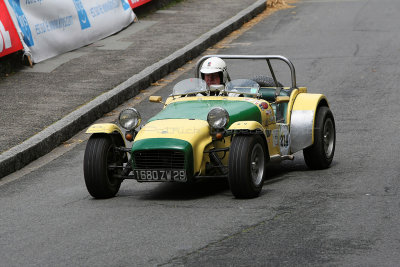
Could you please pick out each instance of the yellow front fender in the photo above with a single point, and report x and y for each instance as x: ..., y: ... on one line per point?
x: 105, y: 128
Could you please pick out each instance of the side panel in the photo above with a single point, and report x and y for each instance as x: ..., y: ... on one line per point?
x: 302, y: 120
x: 272, y: 133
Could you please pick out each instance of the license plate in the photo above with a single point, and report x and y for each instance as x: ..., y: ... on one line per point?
x: 160, y: 175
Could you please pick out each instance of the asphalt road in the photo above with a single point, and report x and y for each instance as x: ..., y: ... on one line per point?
x: 346, y: 215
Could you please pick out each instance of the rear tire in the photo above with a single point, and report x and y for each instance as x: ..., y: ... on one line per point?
x: 320, y: 154
x: 247, y: 162
x: 99, y: 155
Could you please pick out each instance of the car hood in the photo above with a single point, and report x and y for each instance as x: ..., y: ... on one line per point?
x: 198, y: 109
x: 191, y: 131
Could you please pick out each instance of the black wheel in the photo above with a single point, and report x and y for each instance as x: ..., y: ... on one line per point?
x: 247, y: 161
x: 320, y: 154
x: 99, y: 160
x: 265, y: 81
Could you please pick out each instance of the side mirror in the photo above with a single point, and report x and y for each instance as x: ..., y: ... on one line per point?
x: 155, y: 99
x: 282, y: 99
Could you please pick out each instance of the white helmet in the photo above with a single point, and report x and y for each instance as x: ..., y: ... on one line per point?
x: 213, y: 65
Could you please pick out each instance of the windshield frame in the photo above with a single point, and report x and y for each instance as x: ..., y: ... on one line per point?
x: 190, y: 86
x: 253, y: 86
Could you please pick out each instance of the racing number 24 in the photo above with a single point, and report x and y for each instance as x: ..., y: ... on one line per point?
x: 284, y: 140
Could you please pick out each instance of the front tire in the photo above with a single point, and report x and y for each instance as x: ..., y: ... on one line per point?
x: 320, y: 155
x: 247, y: 162
x: 99, y: 156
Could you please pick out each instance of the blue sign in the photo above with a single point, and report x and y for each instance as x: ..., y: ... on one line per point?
x: 83, y: 18
x: 22, y: 22
x: 125, y: 5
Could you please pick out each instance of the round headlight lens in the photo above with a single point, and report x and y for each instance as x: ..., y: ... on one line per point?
x: 129, y: 119
x: 218, y: 118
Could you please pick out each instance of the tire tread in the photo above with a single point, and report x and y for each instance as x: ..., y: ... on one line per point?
x: 314, y: 156
x: 95, y: 171
x: 239, y: 182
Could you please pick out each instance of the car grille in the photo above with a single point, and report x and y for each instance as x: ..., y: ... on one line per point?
x: 159, y: 159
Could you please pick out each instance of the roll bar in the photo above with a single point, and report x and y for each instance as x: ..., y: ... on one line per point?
x: 265, y: 57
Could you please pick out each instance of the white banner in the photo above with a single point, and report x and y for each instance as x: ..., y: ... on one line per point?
x: 52, y: 27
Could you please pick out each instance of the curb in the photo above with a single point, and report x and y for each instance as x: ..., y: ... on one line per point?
x: 62, y: 130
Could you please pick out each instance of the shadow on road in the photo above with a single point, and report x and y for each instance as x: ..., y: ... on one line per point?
x: 210, y: 187
x: 188, y: 191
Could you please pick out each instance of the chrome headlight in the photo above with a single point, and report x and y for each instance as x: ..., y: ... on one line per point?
x: 218, y: 118
x: 129, y: 118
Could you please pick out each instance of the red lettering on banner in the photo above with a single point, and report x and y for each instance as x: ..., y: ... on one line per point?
x: 136, y: 3
x: 9, y: 39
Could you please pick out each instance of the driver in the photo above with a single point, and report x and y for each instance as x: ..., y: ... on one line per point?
x: 214, y: 71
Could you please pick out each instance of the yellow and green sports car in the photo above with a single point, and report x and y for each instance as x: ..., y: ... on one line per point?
x: 231, y: 130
